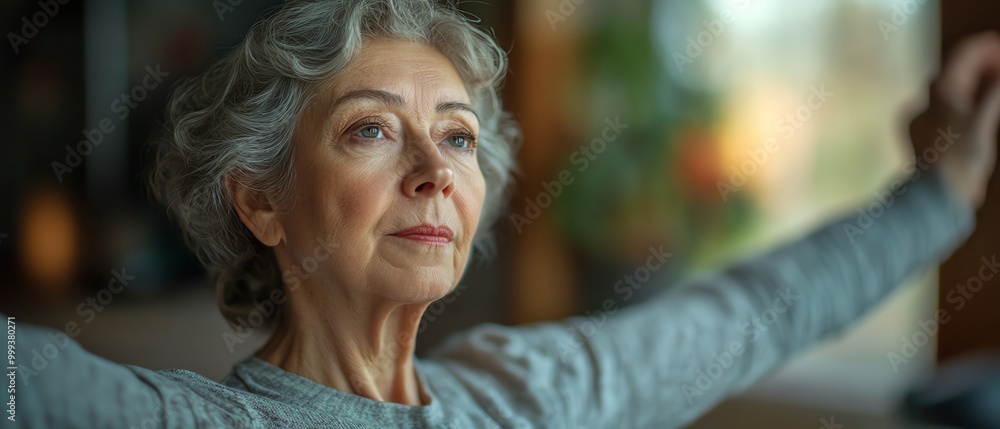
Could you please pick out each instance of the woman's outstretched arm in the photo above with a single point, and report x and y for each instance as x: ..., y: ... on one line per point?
x: 61, y: 385
x: 666, y: 361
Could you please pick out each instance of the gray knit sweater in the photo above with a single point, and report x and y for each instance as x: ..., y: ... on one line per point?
x: 660, y: 363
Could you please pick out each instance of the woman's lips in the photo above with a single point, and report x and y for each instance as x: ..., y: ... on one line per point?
x: 427, y: 234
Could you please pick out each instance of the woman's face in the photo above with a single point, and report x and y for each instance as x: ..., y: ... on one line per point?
x: 386, y: 169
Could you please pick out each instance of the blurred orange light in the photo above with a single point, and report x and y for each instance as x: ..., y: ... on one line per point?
x: 49, y: 241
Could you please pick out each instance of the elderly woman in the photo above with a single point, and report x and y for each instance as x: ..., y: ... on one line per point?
x: 342, y: 165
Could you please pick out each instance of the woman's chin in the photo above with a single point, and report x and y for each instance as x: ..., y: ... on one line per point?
x: 421, y: 283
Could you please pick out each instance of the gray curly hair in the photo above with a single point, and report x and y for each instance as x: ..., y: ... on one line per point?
x: 236, y: 120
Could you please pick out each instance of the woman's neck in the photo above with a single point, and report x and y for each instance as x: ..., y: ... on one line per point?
x: 359, y: 346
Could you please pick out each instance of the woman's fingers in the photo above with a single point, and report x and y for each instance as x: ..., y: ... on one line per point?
x: 974, y: 61
x: 965, y: 101
x: 988, y: 114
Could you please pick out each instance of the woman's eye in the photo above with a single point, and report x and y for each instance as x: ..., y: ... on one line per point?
x: 370, y: 132
x: 458, y: 141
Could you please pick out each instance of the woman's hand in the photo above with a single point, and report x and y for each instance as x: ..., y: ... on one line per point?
x: 961, y: 123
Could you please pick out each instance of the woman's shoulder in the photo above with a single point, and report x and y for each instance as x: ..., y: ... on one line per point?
x: 191, y: 380
x: 237, y: 400
x: 231, y: 390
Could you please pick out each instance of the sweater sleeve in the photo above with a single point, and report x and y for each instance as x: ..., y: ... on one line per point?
x: 665, y: 361
x: 58, y: 384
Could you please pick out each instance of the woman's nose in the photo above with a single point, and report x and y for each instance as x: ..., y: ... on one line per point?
x: 431, y: 175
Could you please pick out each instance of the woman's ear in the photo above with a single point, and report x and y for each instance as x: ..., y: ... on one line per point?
x: 257, y: 213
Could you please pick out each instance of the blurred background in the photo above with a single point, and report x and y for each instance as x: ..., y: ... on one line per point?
x: 713, y: 128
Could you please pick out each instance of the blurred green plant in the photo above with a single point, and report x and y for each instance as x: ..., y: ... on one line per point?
x: 655, y: 184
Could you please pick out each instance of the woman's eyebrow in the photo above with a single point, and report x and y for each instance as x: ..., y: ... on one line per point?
x: 395, y: 100
x: 455, y: 106
x: 378, y: 95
